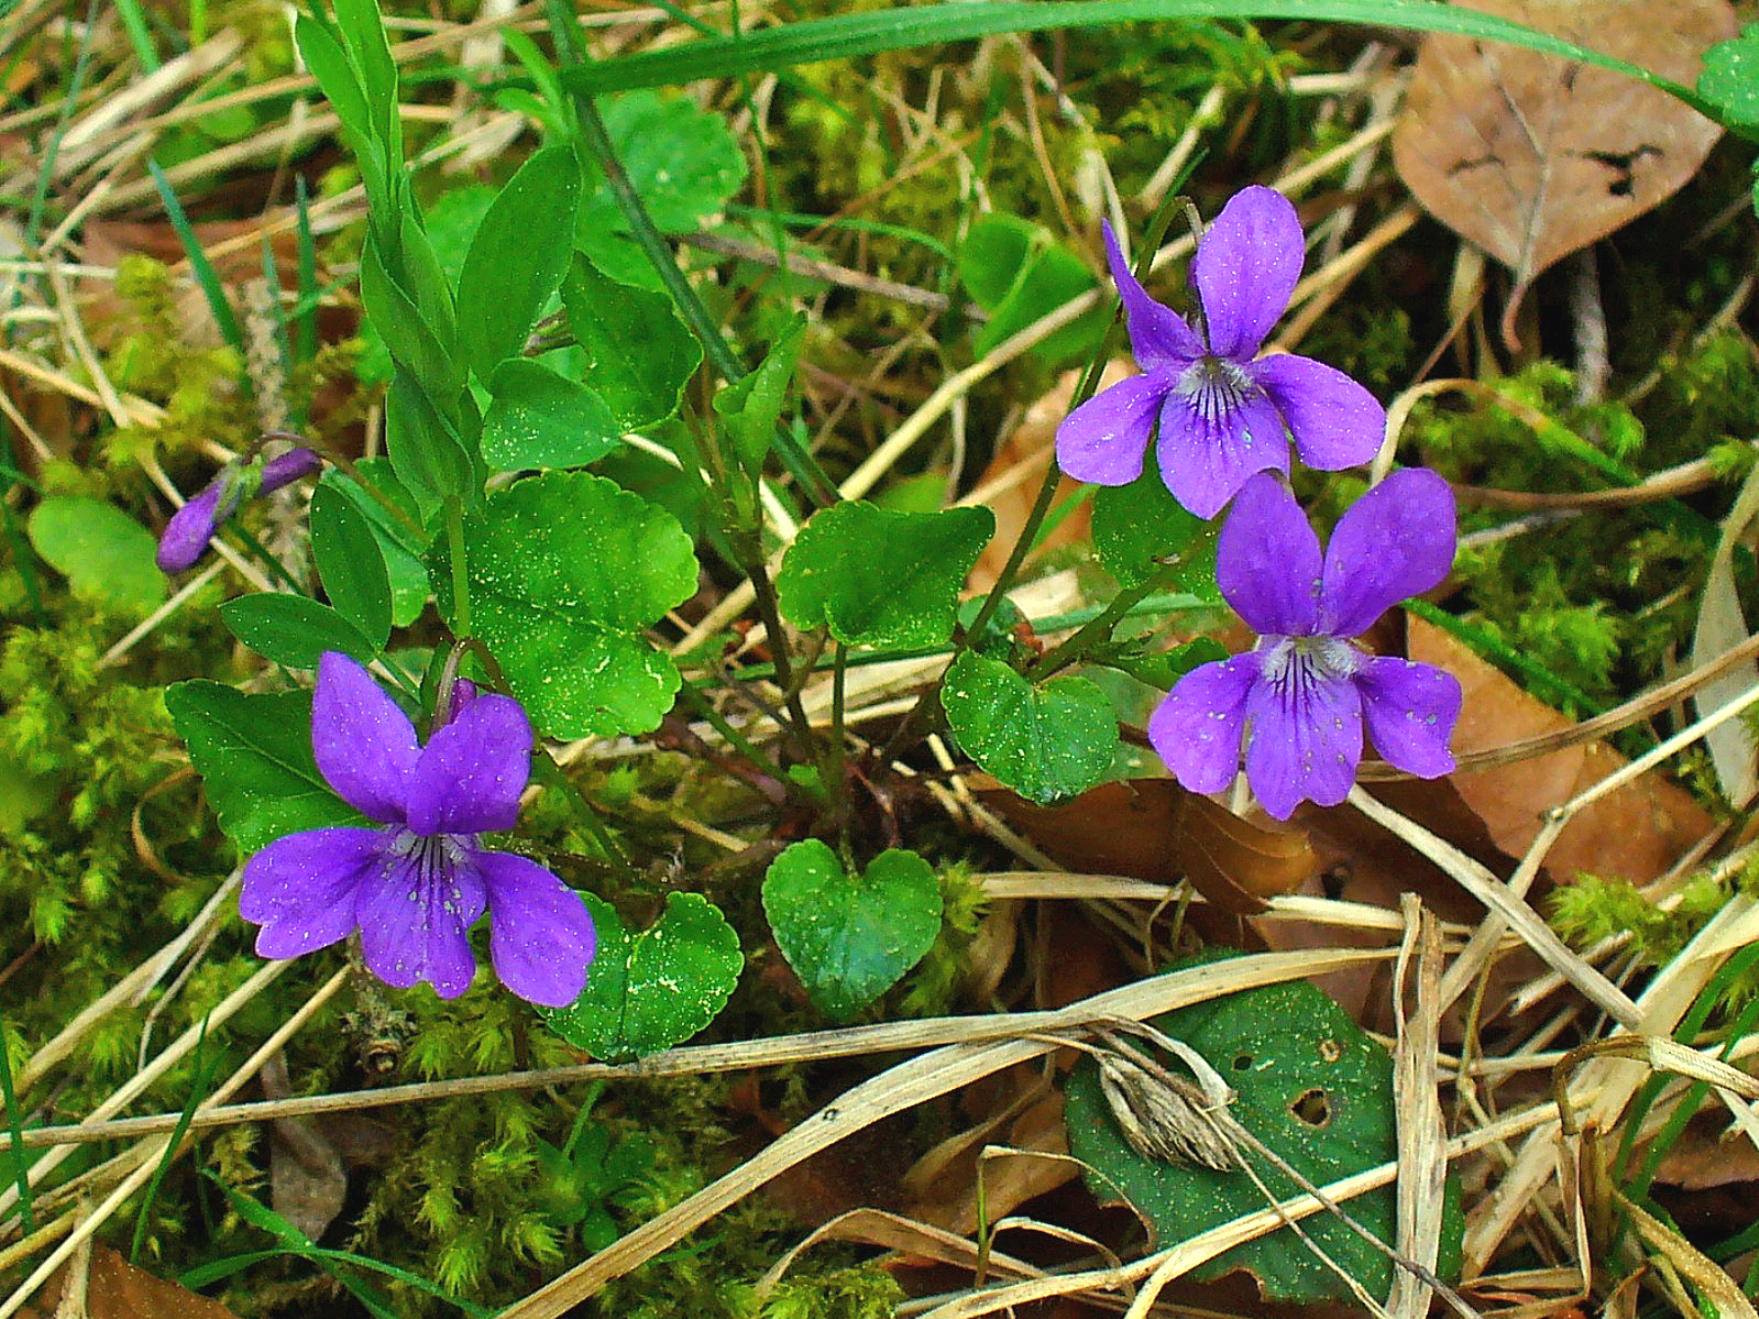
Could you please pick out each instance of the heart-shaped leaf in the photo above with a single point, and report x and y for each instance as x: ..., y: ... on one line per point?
x: 255, y: 758
x: 878, y: 578
x: 650, y: 990
x: 1137, y: 526
x: 565, y: 570
x: 849, y: 939
x: 1044, y: 742
x: 1312, y: 1087
x: 638, y: 353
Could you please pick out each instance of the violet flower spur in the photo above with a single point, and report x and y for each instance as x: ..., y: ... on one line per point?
x: 1221, y: 414
x: 186, y: 536
x: 415, y: 885
x: 1300, y: 699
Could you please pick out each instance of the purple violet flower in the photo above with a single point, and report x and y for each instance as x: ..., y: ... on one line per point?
x: 1222, y: 415
x: 414, y: 886
x: 1299, y: 700
x: 186, y: 536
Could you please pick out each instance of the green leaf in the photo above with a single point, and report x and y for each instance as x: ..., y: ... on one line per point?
x: 328, y: 63
x: 1044, y: 742
x: 683, y: 161
x: 426, y: 451
x: 751, y: 407
x: 1730, y: 80
x: 649, y: 991
x: 105, y: 555
x: 1136, y: 525
x: 1313, y: 1088
x: 878, y: 578
x: 292, y: 630
x: 565, y: 571
x: 369, y: 50
x: 849, y: 940
x: 255, y: 758
x: 415, y: 344
x: 400, y: 544
x: 872, y: 32
x: 1018, y: 273
x: 350, y: 563
x: 639, y: 354
x: 542, y: 419
x: 517, y: 259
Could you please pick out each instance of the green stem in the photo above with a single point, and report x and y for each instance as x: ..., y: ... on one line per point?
x: 1100, y: 626
x: 600, y: 831
x: 701, y: 706
x: 834, y: 761
x: 460, y: 574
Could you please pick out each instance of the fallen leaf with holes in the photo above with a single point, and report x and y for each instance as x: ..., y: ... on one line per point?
x: 1018, y: 467
x: 115, y: 1289
x: 1153, y: 829
x: 1533, y: 157
x: 1635, y: 832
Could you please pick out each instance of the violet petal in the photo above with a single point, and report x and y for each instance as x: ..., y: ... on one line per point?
x: 1246, y: 266
x: 1305, y: 739
x: 1395, y: 542
x: 1105, y: 439
x: 287, y: 468
x: 1213, y: 437
x: 301, y: 888
x: 413, y: 916
x: 1267, y: 561
x: 541, y: 936
x: 190, y: 529
x: 1334, y: 422
x: 1411, y: 709
x: 471, y: 772
x: 1197, y: 729
x: 365, y: 745
x: 1159, y: 336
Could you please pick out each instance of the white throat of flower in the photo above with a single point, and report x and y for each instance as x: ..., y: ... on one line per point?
x: 1215, y: 386
x: 1295, y: 666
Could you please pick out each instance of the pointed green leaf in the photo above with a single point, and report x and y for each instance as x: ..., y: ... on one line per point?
x: 565, y: 572
x: 542, y: 419
x: 1044, y: 742
x: 850, y: 939
x: 415, y: 344
x: 292, y: 630
x: 517, y: 259
x: 878, y: 578
x: 350, y: 563
x: 1314, y: 1088
x: 639, y: 354
x: 751, y: 407
x: 426, y: 452
x: 255, y: 758
x: 650, y: 990
x: 399, y: 537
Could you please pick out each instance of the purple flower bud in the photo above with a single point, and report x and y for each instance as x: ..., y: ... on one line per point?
x: 186, y: 536
x: 288, y: 468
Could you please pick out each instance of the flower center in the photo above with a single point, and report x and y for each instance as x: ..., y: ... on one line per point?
x: 431, y: 863
x: 1296, y: 666
x: 1215, y: 386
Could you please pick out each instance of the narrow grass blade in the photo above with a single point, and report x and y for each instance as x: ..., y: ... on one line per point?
x: 205, y: 274
x: 20, y: 1164
x: 848, y: 36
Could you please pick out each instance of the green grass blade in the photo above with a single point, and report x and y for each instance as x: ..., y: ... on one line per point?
x: 134, y: 22
x: 205, y: 274
x: 20, y: 1164
x: 204, y: 1072
x: 849, y: 36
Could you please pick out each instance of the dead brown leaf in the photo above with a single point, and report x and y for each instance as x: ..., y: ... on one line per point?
x: 1153, y: 829
x: 1533, y: 157
x: 1636, y: 832
x: 115, y: 1289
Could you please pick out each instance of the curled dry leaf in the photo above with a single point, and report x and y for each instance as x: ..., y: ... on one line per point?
x: 1153, y: 829
x: 115, y: 1289
x: 1533, y: 157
